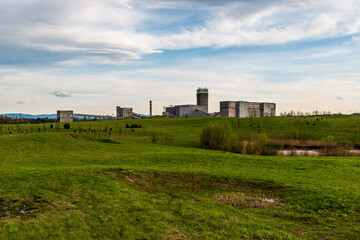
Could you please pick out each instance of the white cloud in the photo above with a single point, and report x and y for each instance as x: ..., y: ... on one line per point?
x: 110, y: 32
x: 331, y: 53
x: 61, y: 94
x: 117, y: 30
x: 355, y: 40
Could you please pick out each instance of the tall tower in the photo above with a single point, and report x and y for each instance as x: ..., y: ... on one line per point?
x: 202, y: 95
x: 150, y: 108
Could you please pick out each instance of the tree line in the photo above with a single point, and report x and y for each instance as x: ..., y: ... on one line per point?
x: 10, y: 120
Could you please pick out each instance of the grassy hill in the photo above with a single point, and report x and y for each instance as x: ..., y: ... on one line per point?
x: 101, y: 180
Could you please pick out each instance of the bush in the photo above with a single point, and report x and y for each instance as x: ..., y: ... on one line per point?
x: 133, y: 125
x: 216, y: 136
x: 250, y: 148
x: 223, y: 137
x: 236, y: 144
x: 67, y: 125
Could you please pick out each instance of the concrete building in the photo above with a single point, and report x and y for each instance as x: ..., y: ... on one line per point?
x: 64, y: 116
x: 268, y: 109
x: 188, y: 110
x: 202, y: 97
x: 243, y: 109
x: 124, y: 112
x: 183, y: 111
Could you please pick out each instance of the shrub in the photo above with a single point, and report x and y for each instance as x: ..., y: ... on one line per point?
x: 261, y: 140
x: 236, y: 144
x: 216, y: 136
x: 223, y: 137
x: 154, y: 138
x: 134, y: 125
x: 250, y: 148
x: 67, y: 125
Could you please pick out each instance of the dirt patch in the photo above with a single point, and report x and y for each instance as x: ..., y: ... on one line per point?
x: 95, y: 139
x: 106, y: 140
x: 70, y: 137
x: 129, y: 179
x: 249, y: 200
x: 188, y: 236
x: 172, y: 182
x: 156, y: 182
x: 22, y: 208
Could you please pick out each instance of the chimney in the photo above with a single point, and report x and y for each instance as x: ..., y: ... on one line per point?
x: 150, y: 108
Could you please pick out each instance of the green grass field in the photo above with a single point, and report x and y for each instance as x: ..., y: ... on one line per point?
x: 156, y: 182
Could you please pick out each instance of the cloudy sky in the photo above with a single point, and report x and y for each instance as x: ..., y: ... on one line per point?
x: 91, y: 55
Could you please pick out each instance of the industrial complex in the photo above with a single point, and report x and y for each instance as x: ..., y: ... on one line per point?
x: 239, y: 109
x: 242, y: 109
x: 199, y: 110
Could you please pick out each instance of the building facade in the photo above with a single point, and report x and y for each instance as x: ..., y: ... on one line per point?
x: 64, y: 116
x: 202, y: 97
x: 188, y: 110
x: 243, y: 109
x: 183, y: 111
x: 124, y: 112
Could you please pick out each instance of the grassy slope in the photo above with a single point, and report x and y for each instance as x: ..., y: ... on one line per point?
x: 76, y: 188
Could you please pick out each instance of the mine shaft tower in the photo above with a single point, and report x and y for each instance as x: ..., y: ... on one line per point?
x: 202, y: 96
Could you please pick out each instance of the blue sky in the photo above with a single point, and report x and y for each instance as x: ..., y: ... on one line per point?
x: 92, y: 55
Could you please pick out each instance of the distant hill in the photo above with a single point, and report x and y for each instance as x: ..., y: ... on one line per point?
x: 21, y: 115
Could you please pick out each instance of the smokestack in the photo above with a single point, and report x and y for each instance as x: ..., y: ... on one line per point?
x: 150, y: 108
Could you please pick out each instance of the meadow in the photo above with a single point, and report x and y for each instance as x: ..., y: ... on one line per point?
x: 102, y: 180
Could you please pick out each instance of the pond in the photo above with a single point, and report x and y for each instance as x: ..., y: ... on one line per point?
x: 311, y: 153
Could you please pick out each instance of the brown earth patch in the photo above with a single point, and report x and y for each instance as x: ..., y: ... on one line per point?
x: 23, y: 208
x: 70, y: 136
x: 188, y: 236
x: 94, y: 139
x: 249, y: 200
x: 156, y: 182
x: 129, y: 179
x: 173, y: 182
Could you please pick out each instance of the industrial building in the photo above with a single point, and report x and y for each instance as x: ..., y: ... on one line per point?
x: 199, y: 110
x: 64, y: 116
x: 240, y: 109
x: 124, y: 112
x: 183, y: 111
x: 202, y: 97
x: 243, y: 109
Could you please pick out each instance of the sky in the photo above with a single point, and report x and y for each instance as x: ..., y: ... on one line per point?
x: 93, y: 55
